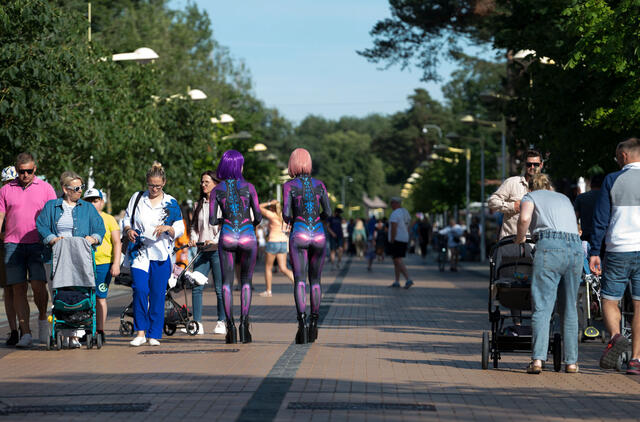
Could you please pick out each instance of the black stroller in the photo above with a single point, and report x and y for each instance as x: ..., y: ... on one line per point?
x: 510, y: 289
x: 443, y: 252
x: 175, y: 314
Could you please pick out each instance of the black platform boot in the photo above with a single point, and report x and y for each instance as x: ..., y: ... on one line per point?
x: 232, y: 335
x: 313, y: 327
x: 302, y: 336
x: 245, y: 335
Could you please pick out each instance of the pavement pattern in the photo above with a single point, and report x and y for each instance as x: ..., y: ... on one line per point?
x: 381, y: 354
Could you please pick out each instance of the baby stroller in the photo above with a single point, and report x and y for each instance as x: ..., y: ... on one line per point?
x: 73, y: 291
x: 510, y: 289
x: 443, y: 252
x: 175, y: 314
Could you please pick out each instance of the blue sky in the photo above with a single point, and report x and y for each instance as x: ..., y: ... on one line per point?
x: 302, y: 55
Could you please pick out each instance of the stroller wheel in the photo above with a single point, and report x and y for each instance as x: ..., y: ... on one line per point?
x: 192, y: 327
x: 59, y: 341
x: 48, y: 344
x: 90, y: 340
x: 169, y: 329
x: 485, y: 350
x: 98, y: 341
x: 126, y: 328
x: 556, y: 349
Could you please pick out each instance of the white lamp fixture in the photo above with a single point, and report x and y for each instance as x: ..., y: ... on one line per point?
x: 196, y: 94
x: 141, y: 55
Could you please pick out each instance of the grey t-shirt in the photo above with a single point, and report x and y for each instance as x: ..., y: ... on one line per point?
x: 65, y: 223
x: 553, y: 211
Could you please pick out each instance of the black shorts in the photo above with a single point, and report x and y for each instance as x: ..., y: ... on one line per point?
x: 398, y: 249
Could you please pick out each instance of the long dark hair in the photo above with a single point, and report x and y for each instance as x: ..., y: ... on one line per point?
x: 196, y: 211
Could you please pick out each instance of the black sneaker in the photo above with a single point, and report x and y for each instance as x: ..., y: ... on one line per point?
x: 13, y: 338
x: 617, y: 345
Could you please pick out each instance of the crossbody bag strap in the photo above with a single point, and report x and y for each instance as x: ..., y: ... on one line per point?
x: 135, y: 207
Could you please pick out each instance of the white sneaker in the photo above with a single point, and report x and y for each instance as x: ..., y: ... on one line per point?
x: 138, y: 341
x: 154, y: 342
x: 43, y: 331
x: 200, y: 330
x: 266, y: 293
x: 25, y: 341
x: 221, y: 328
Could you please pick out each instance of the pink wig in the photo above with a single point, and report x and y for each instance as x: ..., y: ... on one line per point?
x: 299, y: 162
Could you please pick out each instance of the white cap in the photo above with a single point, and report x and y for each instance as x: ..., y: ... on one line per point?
x: 93, y: 193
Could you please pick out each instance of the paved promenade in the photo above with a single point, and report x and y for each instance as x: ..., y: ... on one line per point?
x: 382, y: 354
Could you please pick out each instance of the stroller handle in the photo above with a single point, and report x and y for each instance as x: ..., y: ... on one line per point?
x: 509, y: 240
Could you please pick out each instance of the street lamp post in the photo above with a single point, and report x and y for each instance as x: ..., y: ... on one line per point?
x: 344, y: 180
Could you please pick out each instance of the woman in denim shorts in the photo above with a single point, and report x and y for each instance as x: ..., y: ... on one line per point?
x: 558, y: 256
x: 276, y: 244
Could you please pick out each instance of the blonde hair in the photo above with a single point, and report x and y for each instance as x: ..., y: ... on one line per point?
x: 156, y: 170
x: 68, y: 177
x: 540, y: 181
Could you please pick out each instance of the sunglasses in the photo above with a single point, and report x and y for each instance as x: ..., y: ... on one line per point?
x: 533, y: 164
x: 154, y: 186
x: 75, y: 188
x: 26, y: 171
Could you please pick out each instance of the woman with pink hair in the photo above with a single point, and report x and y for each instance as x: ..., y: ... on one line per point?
x: 305, y: 203
x: 231, y: 204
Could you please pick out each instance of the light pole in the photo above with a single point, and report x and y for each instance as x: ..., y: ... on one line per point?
x: 467, y: 156
x: 472, y: 120
x: 344, y: 180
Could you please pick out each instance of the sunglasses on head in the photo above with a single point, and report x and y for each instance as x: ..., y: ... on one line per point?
x: 26, y: 171
x: 75, y: 188
x: 533, y: 164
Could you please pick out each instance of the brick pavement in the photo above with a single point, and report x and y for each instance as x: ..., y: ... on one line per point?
x: 382, y: 354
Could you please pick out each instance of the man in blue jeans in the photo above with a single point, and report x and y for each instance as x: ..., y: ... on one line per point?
x: 617, y: 220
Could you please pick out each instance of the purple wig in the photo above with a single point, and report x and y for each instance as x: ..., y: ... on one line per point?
x: 230, y: 166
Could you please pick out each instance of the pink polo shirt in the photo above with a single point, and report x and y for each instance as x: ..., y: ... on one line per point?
x: 21, y: 207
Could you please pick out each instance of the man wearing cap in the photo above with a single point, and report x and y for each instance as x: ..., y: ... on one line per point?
x: 399, y: 239
x: 107, y: 257
x: 20, y: 204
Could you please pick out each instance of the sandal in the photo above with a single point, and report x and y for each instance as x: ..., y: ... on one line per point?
x: 571, y: 368
x: 532, y: 368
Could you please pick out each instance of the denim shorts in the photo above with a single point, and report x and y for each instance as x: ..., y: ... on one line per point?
x: 103, y: 280
x: 23, y: 258
x: 276, y: 247
x: 619, y: 269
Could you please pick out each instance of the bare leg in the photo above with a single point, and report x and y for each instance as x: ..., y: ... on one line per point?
x: 9, y: 308
x: 400, y: 268
x: 101, y: 313
x: 21, y: 305
x: 282, y: 265
x: 611, y: 311
x: 268, y: 269
x: 635, y: 327
x: 40, y: 297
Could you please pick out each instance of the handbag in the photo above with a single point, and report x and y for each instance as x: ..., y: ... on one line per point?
x: 124, y: 278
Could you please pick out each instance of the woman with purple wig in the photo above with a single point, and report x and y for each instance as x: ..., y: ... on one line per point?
x: 231, y: 204
x: 305, y: 203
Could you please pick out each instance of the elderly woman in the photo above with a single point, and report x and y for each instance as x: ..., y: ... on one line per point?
x: 70, y: 217
x: 152, y: 223
x: 558, y: 256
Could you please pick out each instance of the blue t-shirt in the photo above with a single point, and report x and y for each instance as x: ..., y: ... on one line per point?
x: 553, y: 211
x: 335, y: 224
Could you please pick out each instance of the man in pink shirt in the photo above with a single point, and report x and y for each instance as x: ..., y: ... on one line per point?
x: 20, y: 203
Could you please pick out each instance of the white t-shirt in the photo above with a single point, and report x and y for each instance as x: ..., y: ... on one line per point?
x: 402, y: 217
x: 147, y: 218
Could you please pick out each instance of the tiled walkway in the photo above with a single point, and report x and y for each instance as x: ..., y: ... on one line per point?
x: 382, y: 354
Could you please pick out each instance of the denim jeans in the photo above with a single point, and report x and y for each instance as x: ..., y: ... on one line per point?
x: 558, y: 256
x: 208, y: 261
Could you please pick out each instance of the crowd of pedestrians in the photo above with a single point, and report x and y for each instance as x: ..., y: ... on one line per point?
x: 603, y: 222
